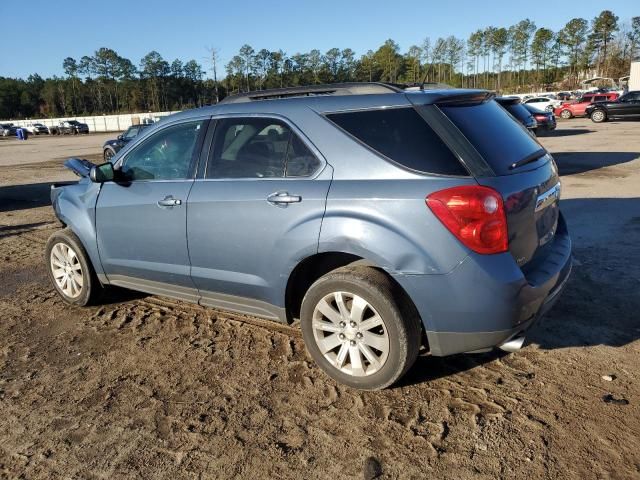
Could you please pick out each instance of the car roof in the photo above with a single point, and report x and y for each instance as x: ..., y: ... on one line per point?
x: 329, y: 103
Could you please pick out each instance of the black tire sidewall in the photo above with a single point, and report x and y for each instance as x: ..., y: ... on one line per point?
x: 88, y: 277
x: 384, y: 304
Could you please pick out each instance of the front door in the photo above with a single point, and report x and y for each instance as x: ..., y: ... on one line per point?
x: 257, y: 212
x: 141, y: 218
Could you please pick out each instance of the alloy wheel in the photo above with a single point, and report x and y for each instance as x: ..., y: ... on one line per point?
x: 350, y: 334
x: 67, y: 270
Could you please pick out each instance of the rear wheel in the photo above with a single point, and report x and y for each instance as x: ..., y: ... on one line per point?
x: 566, y: 114
x: 70, y: 269
x: 359, y: 328
x: 598, y: 116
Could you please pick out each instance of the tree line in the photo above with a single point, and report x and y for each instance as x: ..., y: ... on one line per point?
x: 521, y: 57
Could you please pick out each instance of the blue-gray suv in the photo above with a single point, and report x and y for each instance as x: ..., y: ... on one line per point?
x: 388, y: 221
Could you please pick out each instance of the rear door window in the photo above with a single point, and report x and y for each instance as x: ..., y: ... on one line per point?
x: 501, y: 141
x: 259, y: 148
x: 403, y: 136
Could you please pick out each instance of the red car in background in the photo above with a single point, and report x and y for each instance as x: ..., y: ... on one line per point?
x: 577, y: 108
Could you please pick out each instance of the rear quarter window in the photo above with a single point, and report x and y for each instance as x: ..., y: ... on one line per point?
x: 403, y: 136
x: 495, y: 135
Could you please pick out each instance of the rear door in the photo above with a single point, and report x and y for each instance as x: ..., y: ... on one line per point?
x: 141, y: 219
x: 257, y: 211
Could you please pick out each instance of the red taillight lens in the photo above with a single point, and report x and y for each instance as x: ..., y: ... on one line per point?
x: 474, y: 214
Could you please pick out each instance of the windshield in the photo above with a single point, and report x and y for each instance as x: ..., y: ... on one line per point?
x: 501, y: 141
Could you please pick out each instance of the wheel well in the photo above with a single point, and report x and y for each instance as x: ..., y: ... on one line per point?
x: 312, y: 268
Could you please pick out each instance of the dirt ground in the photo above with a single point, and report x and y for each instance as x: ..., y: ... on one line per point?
x: 146, y: 387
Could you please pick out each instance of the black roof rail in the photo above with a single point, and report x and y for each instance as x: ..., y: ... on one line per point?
x: 351, y: 88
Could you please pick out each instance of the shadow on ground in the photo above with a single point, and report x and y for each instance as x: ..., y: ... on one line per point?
x: 21, y: 197
x: 561, y: 132
x: 571, y: 163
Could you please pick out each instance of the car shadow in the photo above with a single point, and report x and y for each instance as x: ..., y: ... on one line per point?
x: 570, y: 163
x: 22, y: 197
x: 561, y: 132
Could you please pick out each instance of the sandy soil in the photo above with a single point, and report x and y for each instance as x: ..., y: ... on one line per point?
x: 145, y: 387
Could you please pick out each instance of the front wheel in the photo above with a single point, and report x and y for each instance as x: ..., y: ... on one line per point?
x: 598, y: 116
x: 70, y: 269
x: 566, y: 114
x: 549, y: 108
x: 360, y: 328
x: 108, y: 154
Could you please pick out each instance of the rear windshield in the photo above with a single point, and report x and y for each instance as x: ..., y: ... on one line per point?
x: 501, y: 141
x: 403, y: 136
x: 520, y: 111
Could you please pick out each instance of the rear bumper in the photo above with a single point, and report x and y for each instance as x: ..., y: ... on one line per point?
x: 487, y: 300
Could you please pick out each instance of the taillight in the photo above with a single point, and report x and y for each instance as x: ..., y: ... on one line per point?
x: 474, y: 214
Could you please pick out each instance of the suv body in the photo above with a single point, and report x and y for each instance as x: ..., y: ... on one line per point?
x: 627, y: 106
x: 37, y: 128
x: 72, y: 127
x: 542, y: 104
x: 322, y: 207
x: 111, y: 147
x: 578, y: 108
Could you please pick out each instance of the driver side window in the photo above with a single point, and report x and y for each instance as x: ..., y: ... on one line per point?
x: 166, y: 155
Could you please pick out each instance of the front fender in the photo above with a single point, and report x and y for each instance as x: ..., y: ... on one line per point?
x: 75, y: 206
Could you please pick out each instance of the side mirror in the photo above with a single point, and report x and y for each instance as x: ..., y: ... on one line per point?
x: 102, y: 173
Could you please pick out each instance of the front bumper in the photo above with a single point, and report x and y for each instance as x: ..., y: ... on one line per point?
x: 488, y: 300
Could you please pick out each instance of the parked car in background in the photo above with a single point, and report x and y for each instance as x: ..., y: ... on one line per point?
x: 564, y: 96
x: 7, y: 129
x: 37, y: 129
x: 515, y: 107
x: 71, y: 127
x: 111, y: 147
x: 578, y: 107
x: 546, y: 121
x: 625, y: 107
x: 441, y: 223
x: 542, y: 104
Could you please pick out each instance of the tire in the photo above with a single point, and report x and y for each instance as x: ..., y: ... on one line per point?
x: 383, y: 350
x: 549, y: 108
x: 108, y: 154
x: 598, y: 116
x: 81, y: 286
x: 566, y: 114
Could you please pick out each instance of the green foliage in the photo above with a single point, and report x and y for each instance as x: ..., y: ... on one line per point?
x: 517, y: 57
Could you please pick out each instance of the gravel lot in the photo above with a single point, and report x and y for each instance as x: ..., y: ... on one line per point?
x: 146, y: 387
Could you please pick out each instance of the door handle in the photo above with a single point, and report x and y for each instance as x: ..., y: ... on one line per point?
x: 169, y: 202
x: 283, y: 198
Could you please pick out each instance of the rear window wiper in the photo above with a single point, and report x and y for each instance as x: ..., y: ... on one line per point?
x: 528, y: 159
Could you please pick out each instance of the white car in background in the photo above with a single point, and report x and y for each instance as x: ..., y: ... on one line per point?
x: 36, y: 129
x: 543, y: 104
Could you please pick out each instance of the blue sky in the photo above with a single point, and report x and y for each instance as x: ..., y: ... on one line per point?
x: 41, y: 33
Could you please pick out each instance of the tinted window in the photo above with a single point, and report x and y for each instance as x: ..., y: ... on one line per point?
x: 499, y: 139
x: 167, y: 155
x: 258, y: 148
x: 521, y: 112
x: 403, y: 136
x: 132, y: 132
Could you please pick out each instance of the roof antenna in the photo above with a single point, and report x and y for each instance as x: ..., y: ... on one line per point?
x: 424, y: 78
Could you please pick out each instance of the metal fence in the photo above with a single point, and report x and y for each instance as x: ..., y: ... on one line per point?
x: 99, y: 123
